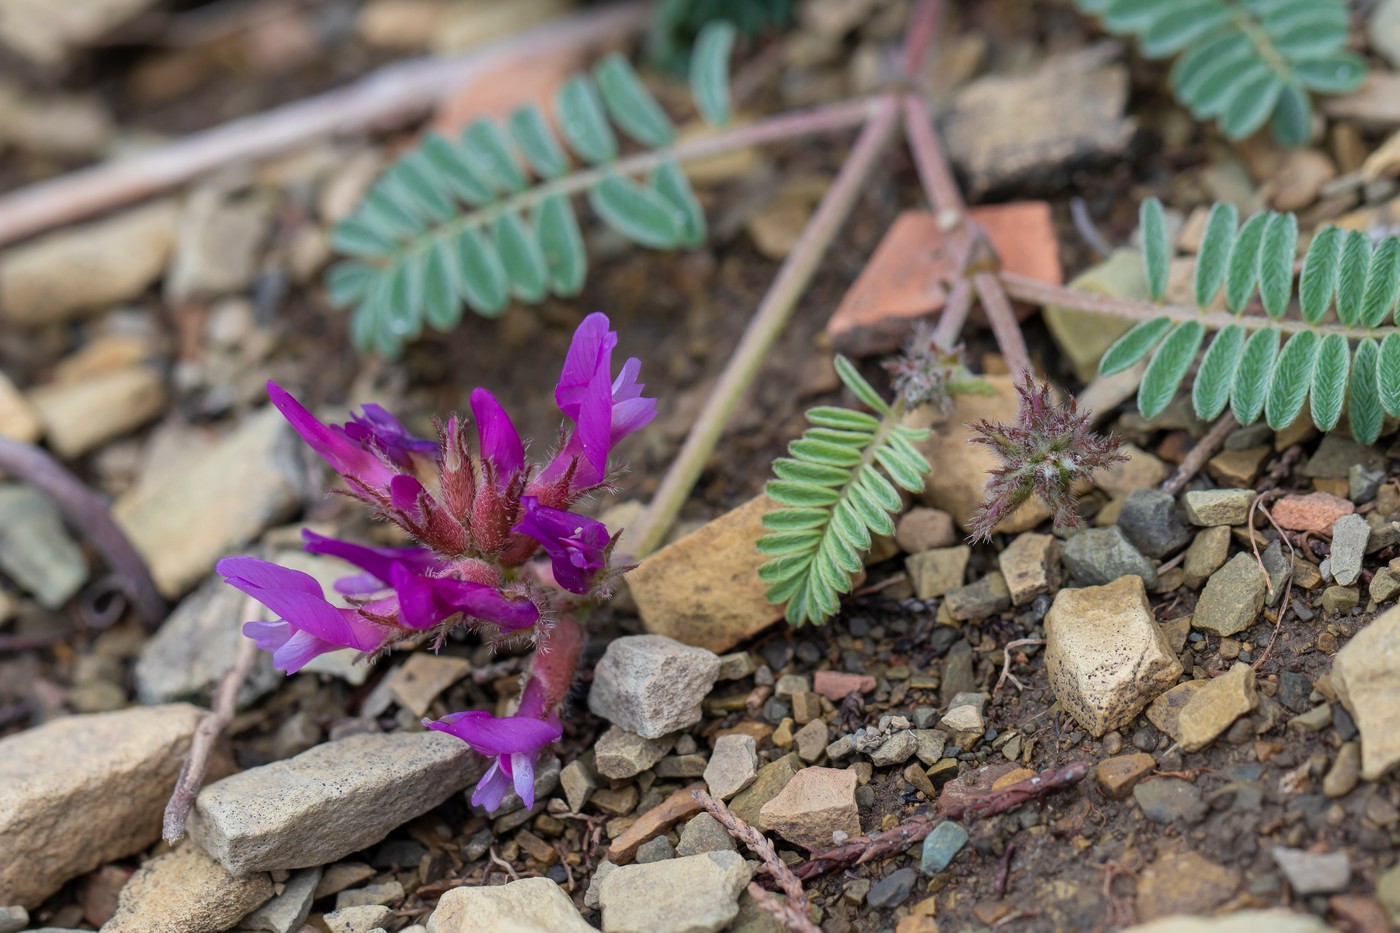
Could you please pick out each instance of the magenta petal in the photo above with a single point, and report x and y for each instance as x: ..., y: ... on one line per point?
x: 576, y: 545
x: 500, y: 442
x: 375, y: 561
x: 344, y: 455
x: 404, y: 495
x: 374, y: 428
x: 250, y: 573
x: 426, y: 601
x: 269, y: 636
x: 589, y: 351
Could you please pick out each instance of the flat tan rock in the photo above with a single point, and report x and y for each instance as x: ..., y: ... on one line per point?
x: 18, y: 420
x: 1165, y: 711
x: 186, y: 891
x: 81, y: 416
x: 704, y: 590
x: 815, y: 804
x: 1182, y: 881
x: 1106, y: 655
x: 1366, y: 675
x: 81, y: 791
x: 1031, y: 566
x: 89, y: 268
x: 214, y: 499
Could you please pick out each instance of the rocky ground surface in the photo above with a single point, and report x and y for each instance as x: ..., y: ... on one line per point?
x: 1222, y: 665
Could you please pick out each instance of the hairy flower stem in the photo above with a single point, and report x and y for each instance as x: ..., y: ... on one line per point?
x: 1037, y: 292
x: 767, y: 323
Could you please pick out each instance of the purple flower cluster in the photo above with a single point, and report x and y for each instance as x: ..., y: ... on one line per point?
x: 478, y: 519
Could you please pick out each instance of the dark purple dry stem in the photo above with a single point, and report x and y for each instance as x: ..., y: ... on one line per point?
x: 89, y: 512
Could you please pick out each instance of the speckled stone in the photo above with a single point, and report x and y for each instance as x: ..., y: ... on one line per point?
x: 1106, y: 655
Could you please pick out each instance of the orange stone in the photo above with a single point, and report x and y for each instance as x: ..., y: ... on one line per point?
x: 654, y: 822
x: 1317, y: 511
x: 912, y: 271
x: 837, y: 685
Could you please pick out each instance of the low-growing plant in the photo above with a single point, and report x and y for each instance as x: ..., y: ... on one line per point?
x: 479, y: 520
x: 1244, y: 63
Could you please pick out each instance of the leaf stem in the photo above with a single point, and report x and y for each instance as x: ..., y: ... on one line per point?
x: 1034, y: 291
x: 767, y: 323
x: 827, y: 118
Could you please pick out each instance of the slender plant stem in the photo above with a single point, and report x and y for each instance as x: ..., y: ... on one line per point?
x: 954, y: 314
x: 1005, y: 327
x: 942, y: 191
x: 765, y: 326
x: 1196, y: 458
x: 1034, y: 291
x: 88, y: 511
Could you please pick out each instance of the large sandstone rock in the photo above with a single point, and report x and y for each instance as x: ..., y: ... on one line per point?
x: 1366, y: 674
x: 186, y: 891
x: 1106, y: 655
x: 1244, y: 921
x: 329, y: 801
x: 694, y: 894
x: 815, y: 805
x: 81, y: 416
x: 530, y: 905
x: 215, y: 499
x: 704, y: 590
x: 68, y: 273
x: 84, y: 790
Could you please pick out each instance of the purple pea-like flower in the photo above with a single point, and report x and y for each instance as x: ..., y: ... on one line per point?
x: 514, y: 742
x: 501, y: 447
x: 604, y: 410
x: 426, y: 601
x: 375, y: 562
x: 374, y: 428
x: 309, y: 625
x: 357, y: 464
x: 577, y: 545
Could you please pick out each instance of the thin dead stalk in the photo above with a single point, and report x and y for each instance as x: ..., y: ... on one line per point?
x: 766, y: 325
x: 1284, y: 601
x: 392, y: 96
x: 1005, y: 327
x: 793, y: 912
x: 1197, y: 457
x: 90, y: 512
x: 210, y: 727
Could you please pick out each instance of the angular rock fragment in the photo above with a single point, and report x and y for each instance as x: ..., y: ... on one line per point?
x: 1106, y: 655
x: 186, y: 891
x: 652, y: 685
x: 528, y: 904
x: 815, y: 805
x: 1233, y: 597
x: 704, y: 889
x: 1366, y: 675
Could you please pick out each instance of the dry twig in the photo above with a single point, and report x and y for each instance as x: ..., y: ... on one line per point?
x: 205, y: 735
x: 1006, y: 662
x: 793, y: 912
x: 1196, y: 458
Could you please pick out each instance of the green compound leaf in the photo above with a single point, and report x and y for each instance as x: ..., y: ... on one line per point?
x: 1364, y: 410
x: 1244, y: 62
x: 1292, y: 379
x: 1276, y: 252
x: 1243, y: 271
x: 348, y: 283
x: 1156, y: 249
x: 709, y: 72
x: 1352, y: 278
x: 842, y: 418
x: 1134, y: 345
x: 1253, y: 375
x: 1320, y: 269
x: 1329, y: 387
x: 638, y: 213
x: 1214, y: 254
x: 442, y: 287
x: 583, y: 123
x: 1168, y: 367
x: 630, y: 104
x: 1216, y: 376
x: 454, y: 171
x: 485, y: 286
x: 1388, y: 373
